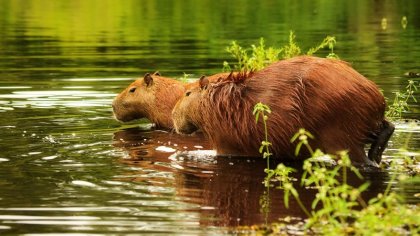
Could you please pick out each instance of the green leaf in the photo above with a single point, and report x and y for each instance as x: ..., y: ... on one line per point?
x: 315, y: 203
x: 363, y: 187
x: 294, y: 192
x: 286, y: 198
x: 266, y: 155
x: 297, y: 150
x: 294, y: 137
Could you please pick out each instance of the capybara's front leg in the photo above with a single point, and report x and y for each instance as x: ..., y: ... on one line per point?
x: 379, y: 144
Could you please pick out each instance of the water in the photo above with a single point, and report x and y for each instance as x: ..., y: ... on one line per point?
x: 66, y: 166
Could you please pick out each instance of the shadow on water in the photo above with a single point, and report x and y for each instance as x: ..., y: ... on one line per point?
x: 228, y: 191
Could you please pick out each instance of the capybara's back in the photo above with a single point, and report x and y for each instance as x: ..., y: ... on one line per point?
x: 338, y: 105
x: 342, y: 108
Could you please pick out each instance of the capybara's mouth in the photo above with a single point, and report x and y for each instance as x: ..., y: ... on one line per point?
x: 122, y: 115
x: 188, y: 128
x: 125, y: 118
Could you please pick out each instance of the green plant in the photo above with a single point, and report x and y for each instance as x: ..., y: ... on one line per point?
x: 292, y: 49
x: 262, y: 56
x: 328, y: 41
x: 261, y: 110
x: 401, y: 99
x: 240, y: 54
x: 184, y: 77
x: 338, y: 208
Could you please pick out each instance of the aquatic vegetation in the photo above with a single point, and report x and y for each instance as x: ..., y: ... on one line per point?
x: 185, y: 77
x: 261, y: 109
x: 291, y: 49
x: 261, y: 56
x: 329, y: 42
x: 401, y: 100
x: 338, y: 208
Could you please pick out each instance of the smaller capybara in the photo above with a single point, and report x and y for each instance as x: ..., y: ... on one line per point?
x: 152, y: 97
x: 339, y: 106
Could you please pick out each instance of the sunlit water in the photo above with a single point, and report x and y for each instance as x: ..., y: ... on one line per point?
x: 66, y: 166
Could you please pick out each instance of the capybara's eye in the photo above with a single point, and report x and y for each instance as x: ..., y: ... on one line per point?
x: 187, y: 93
x: 132, y: 90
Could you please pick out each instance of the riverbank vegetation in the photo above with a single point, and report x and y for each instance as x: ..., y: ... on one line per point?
x: 339, y: 208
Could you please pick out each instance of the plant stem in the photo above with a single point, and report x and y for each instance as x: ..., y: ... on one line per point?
x: 266, y: 139
x: 303, y: 207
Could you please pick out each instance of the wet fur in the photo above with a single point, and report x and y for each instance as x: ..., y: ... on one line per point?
x: 154, y: 98
x: 327, y: 97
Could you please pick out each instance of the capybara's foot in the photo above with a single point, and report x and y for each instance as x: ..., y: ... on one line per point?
x: 379, y: 144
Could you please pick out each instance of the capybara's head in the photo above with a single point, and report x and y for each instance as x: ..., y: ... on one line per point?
x: 186, y: 113
x: 151, y: 97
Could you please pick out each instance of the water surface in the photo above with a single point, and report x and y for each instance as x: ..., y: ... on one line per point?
x: 66, y: 166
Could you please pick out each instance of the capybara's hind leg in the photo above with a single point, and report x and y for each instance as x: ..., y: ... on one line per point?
x: 379, y: 144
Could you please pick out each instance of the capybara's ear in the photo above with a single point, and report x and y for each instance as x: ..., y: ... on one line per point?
x: 148, y: 79
x: 204, y: 82
x: 157, y: 73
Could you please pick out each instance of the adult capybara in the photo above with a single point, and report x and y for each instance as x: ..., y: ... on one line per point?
x: 339, y: 106
x: 152, y: 97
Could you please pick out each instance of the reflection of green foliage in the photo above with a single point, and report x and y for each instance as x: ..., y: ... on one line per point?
x: 404, y: 22
x: 111, y: 31
x: 262, y: 56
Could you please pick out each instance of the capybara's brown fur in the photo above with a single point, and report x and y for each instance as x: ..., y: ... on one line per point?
x: 339, y: 106
x: 152, y: 97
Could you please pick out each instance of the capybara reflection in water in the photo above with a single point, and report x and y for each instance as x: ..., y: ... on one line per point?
x: 339, y: 106
x: 152, y: 97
